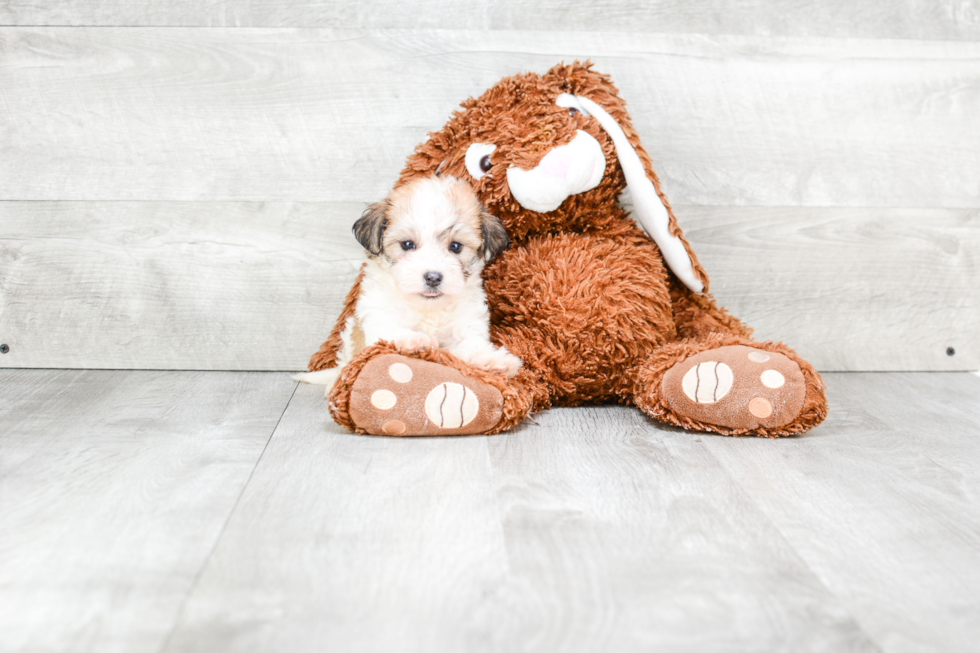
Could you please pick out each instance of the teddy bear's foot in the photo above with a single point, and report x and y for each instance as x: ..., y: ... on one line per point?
x: 737, y: 387
x: 400, y: 395
x: 733, y: 389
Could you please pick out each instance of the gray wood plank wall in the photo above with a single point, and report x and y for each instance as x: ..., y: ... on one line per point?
x: 897, y: 19
x: 180, y: 198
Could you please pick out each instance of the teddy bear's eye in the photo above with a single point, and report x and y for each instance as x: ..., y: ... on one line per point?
x: 478, y: 162
x: 455, y: 247
x: 572, y: 111
x: 407, y: 245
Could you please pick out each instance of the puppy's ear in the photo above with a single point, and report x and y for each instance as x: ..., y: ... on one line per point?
x: 495, y: 239
x: 370, y: 227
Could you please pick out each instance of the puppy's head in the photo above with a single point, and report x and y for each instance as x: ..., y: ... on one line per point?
x: 433, y: 235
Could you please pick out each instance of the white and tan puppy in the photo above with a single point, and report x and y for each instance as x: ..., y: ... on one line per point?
x: 425, y: 247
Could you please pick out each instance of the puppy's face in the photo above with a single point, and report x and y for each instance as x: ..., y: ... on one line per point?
x: 433, y: 235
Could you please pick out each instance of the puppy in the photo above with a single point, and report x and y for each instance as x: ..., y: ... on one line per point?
x: 425, y: 247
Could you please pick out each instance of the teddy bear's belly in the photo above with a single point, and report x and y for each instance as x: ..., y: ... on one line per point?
x: 580, y: 310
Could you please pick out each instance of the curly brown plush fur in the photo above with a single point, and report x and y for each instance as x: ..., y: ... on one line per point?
x: 326, y: 357
x: 582, y: 295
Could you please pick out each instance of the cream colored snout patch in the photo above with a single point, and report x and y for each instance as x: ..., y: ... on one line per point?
x: 566, y: 170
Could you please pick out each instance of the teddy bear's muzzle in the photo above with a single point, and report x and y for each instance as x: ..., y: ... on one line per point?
x: 566, y: 170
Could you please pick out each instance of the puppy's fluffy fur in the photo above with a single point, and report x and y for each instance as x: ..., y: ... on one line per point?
x: 426, y: 245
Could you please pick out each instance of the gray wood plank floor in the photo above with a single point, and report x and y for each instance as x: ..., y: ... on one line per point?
x: 219, y: 511
x: 114, y: 488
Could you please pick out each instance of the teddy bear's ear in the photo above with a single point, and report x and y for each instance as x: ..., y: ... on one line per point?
x: 594, y: 94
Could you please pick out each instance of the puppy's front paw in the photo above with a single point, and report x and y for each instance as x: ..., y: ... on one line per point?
x: 415, y: 341
x: 508, y: 365
x: 499, y: 361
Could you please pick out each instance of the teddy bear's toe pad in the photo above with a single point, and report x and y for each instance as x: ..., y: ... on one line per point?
x: 736, y: 387
x: 399, y: 395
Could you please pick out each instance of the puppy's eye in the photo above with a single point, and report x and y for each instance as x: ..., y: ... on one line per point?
x: 455, y: 247
x: 478, y: 162
x: 407, y: 245
x: 572, y: 111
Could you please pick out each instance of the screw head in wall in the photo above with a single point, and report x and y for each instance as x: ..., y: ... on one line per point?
x: 4, y: 349
x: 950, y: 351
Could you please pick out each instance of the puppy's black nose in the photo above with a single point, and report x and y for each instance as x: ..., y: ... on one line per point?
x: 432, y: 278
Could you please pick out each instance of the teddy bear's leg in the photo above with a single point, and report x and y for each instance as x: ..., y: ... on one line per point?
x: 731, y: 385
x: 384, y: 392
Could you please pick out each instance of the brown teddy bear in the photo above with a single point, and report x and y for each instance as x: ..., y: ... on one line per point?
x: 597, y: 310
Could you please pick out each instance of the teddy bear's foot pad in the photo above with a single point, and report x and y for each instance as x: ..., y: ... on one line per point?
x: 737, y: 387
x: 399, y: 395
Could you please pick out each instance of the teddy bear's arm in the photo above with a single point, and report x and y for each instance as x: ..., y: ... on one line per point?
x: 326, y: 357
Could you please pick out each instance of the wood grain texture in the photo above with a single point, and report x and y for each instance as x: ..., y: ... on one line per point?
x: 172, y: 285
x: 627, y: 536
x: 597, y: 531
x: 882, y: 503
x: 849, y: 289
x: 321, y: 114
x: 141, y: 513
x: 369, y: 544
x: 175, y: 285
x: 917, y: 19
x: 114, y: 488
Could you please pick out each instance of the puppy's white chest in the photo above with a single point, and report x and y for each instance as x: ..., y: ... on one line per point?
x: 436, y: 324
